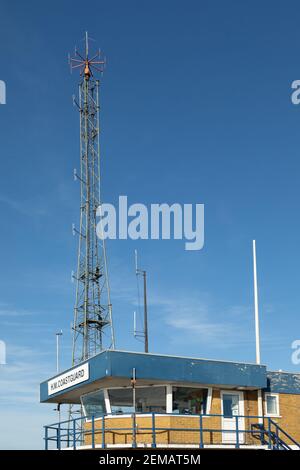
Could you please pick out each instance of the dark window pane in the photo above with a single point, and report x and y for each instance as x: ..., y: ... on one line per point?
x: 121, y: 400
x: 227, y: 406
x: 151, y: 399
x: 148, y: 399
x: 93, y: 404
x: 188, y: 400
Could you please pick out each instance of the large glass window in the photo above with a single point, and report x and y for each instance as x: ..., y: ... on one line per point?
x: 93, y: 404
x: 147, y: 400
x: 188, y: 400
x: 121, y: 400
x: 151, y: 399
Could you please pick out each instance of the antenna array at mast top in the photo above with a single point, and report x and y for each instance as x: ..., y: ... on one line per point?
x: 87, y: 65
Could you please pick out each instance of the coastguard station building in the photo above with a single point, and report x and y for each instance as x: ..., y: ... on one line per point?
x: 131, y: 399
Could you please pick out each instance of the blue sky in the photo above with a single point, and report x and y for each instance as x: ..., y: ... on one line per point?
x: 196, y: 108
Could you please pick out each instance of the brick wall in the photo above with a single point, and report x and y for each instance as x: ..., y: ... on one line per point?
x: 119, y: 429
x: 289, y: 409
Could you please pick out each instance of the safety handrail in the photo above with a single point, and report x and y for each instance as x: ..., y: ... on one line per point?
x: 71, y: 434
x: 285, y: 433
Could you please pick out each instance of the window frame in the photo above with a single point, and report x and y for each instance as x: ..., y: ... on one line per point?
x: 112, y: 415
x: 90, y: 393
x: 276, y: 396
x: 169, y: 399
x: 208, y: 402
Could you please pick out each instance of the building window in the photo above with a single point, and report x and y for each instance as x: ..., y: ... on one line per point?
x: 93, y: 404
x: 272, y: 404
x: 121, y: 400
x: 188, y: 400
x: 147, y: 400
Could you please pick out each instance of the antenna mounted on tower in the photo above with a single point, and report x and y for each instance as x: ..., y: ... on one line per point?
x: 86, y: 64
x: 141, y: 334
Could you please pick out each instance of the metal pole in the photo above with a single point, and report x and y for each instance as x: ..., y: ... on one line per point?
x: 257, y: 337
x: 153, y: 431
x: 145, y: 332
x: 103, y: 432
x: 201, y: 432
x: 257, y: 334
x: 58, y: 437
x: 237, y: 444
x: 93, y: 432
x: 145, y: 313
x: 46, y: 437
x: 269, y: 434
x: 74, y: 434
x: 133, y: 381
x: 58, y: 410
x: 57, y: 349
x: 57, y: 353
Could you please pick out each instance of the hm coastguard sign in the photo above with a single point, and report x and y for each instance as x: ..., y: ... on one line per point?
x: 73, y: 377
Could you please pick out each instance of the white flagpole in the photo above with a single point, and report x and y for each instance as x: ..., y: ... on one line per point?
x: 257, y: 335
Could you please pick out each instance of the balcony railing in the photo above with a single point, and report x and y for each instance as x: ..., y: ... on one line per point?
x: 79, y: 433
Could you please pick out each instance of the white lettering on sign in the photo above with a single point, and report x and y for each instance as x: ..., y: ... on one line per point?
x: 69, y: 379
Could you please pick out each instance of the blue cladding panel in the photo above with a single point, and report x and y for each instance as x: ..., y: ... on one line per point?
x: 169, y: 369
x: 283, y: 382
x: 44, y: 392
x: 179, y: 369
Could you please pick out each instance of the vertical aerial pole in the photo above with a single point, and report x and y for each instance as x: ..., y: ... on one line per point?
x: 145, y: 312
x: 144, y: 334
x: 257, y: 335
x: 92, y: 326
x: 58, y: 335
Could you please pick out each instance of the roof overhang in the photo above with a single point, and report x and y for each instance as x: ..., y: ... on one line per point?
x: 114, y: 369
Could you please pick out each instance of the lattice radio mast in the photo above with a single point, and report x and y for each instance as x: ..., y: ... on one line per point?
x: 92, y: 327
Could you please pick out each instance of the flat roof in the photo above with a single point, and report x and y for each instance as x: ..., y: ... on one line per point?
x: 113, y: 368
x: 283, y: 382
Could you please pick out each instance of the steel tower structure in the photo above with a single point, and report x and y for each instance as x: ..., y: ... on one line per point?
x: 92, y: 327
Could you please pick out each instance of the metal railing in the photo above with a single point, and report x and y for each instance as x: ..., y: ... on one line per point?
x: 79, y: 433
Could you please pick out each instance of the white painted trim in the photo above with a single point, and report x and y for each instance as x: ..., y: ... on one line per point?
x: 256, y: 313
x: 272, y: 415
x: 260, y: 410
x: 169, y: 399
x: 147, y: 415
x: 129, y: 415
x: 209, y: 400
x: 107, y: 401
